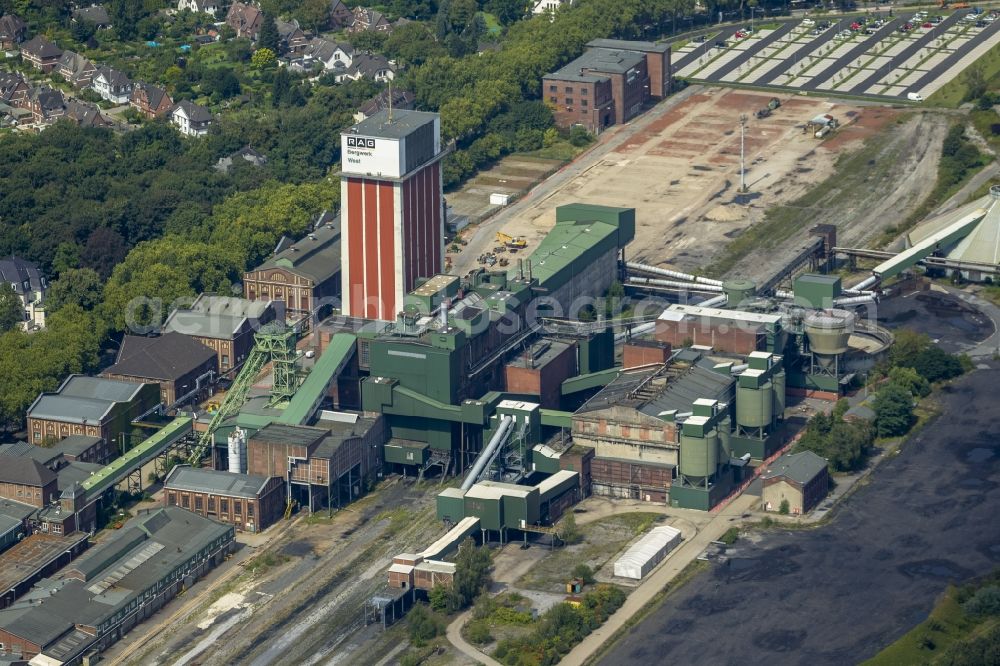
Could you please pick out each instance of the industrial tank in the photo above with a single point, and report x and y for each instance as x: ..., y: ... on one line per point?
x: 755, y: 406
x: 699, y: 455
x: 778, y: 380
x: 237, y: 443
x: 828, y: 332
x: 739, y: 291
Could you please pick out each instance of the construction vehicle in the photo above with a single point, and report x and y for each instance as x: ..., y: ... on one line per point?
x: 773, y: 104
x: 517, y: 242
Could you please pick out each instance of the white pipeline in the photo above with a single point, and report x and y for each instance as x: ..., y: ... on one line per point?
x: 487, y: 454
x: 854, y: 300
x: 782, y: 293
x: 674, y: 284
x: 644, y: 268
x: 715, y: 301
x: 636, y: 330
x: 864, y: 284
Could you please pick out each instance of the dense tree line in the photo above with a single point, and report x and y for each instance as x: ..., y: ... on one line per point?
x: 562, y: 627
x: 842, y: 442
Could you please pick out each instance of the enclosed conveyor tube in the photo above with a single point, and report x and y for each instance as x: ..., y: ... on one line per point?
x: 641, y: 329
x: 486, y: 456
x: 855, y: 300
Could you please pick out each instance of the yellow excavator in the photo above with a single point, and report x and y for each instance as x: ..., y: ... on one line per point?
x: 515, y: 242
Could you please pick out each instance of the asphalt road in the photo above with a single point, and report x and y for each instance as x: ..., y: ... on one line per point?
x: 840, y: 593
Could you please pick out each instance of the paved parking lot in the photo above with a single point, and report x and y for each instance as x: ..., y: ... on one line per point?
x: 876, y: 56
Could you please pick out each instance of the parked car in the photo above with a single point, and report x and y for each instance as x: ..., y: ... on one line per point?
x: 808, y: 21
x: 914, y: 97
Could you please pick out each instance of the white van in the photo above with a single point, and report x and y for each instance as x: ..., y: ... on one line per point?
x: 914, y: 97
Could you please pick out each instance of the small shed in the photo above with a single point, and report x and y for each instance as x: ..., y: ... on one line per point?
x: 647, y: 552
x: 499, y: 199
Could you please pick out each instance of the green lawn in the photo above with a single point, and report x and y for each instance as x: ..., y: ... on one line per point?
x: 926, y: 643
x: 951, y: 94
x: 493, y: 27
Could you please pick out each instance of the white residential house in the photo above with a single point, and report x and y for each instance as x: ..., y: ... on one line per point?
x: 332, y: 55
x: 191, y: 119
x: 369, y: 66
x: 199, y: 6
x: 548, y: 6
x: 30, y: 286
x: 112, y: 85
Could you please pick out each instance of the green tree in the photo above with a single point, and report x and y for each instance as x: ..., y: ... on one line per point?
x: 268, y: 37
x: 280, y: 87
x: 125, y: 15
x: 906, y: 346
x: 975, y: 82
x: 911, y: 380
x: 568, y: 531
x: 584, y: 573
x: 472, y: 573
x: 893, y: 406
x: 507, y: 11
x: 263, y: 58
x: 423, y: 625
x: 440, y: 598
x: 315, y: 14
x: 934, y: 364
x: 11, y: 308
x: 412, y: 44
x: 783, y: 508
x: 76, y: 286
x: 67, y: 256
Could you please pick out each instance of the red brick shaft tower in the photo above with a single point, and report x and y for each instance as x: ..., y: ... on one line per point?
x: 392, y: 211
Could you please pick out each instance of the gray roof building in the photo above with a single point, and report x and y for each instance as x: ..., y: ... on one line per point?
x: 23, y: 275
x: 595, y: 61
x: 634, y: 388
x: 95, y: 14
x: 26, y: 471
x: 194, y: 112
x: 799, y: 467
x: 166, y: 357
x: 316, y: 256
x: 74, y: 445
x: 200, y: 480
x: 214, y: 316
x: 83, y: 399
x: 99, y: 589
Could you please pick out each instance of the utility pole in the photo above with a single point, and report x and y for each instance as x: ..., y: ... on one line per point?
x: 743, y: 168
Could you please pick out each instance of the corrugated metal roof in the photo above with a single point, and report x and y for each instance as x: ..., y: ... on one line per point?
x: 653, y: 546
x: 981, y: 245
x: 200, y: 480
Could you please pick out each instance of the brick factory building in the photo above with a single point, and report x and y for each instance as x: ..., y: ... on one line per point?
x: 639, y: 353
x: 801, y: 479
x: 541, y: 370
x: 251, y: 503
x: 27, y: 481
x: 91, y: 406
x: 609, y: 84
x: 325, y: 464
x: 34, y: 558
x: 91, y: 604
x: 392, y: 208
x: 224, y: 324
x: 184, y: 368
x: 301, y: 274
x: 731, y: 331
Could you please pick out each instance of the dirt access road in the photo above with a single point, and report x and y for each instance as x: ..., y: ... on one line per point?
x: 678, y: 165
x: 840, y: 593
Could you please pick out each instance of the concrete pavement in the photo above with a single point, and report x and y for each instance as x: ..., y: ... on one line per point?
x: 483, y: 237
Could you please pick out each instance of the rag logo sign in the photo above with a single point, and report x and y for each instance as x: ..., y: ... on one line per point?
x: 360, y: 142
